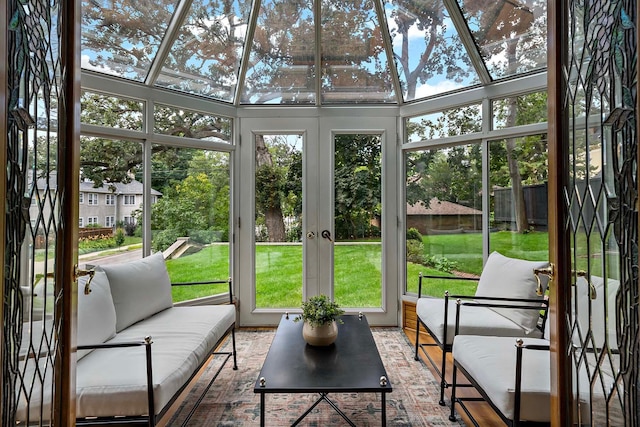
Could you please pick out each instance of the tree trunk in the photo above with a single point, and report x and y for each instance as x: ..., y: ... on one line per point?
x: 517, y: 193
x: 273, y: 214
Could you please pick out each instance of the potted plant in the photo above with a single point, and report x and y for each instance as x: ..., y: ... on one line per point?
x: 320, y: 316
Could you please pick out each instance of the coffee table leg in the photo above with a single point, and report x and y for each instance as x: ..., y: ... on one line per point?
x: 261, y: 409
x: 384, y: 409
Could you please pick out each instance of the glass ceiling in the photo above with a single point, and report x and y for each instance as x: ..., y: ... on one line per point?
x: 305, y: 52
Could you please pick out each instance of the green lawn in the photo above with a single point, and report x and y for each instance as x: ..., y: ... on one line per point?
x: 357, y: 274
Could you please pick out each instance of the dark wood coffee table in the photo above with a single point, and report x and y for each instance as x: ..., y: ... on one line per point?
x: 351, y: 365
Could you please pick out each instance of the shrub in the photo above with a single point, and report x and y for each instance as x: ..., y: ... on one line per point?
x: 415, y: 252
x: 414, y: 234
x: 119, y: 237
x: 163, y: 239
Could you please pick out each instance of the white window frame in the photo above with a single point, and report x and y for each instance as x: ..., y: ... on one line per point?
x: 109, y: 199
x: 92, y: 220
x: 129, y: 199
x: 92, y: 199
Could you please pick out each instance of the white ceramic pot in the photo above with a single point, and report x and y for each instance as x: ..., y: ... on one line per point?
x: 320, y: 335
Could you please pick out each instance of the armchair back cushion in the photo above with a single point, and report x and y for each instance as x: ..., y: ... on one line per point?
x: 602, y: 323
x: 96, y: 313
x: 139, y: 289
x: 512, y: 278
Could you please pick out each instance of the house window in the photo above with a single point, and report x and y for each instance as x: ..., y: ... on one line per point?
x: 110, y: 199
x: 130, y: 199
x: 80, y: 221
x: 92, y: 220
x: 81, y: 197
x: 93, y: 199
x: 109, y: 221
x: 129, y: 220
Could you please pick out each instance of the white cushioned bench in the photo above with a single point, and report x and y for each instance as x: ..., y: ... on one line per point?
x: 127, y: 303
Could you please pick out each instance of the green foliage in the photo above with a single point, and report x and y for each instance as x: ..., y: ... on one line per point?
x: 414, y: 234
x: 441, y: 264
x: 415, y: 252
x: 319, y: 310
x: 163, y: 239
x: 452, y: 174
x: 119, y: 237
x: 358, y: 185
x: 269, y: 187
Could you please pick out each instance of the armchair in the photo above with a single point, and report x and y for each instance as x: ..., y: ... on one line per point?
x: 507, y: 289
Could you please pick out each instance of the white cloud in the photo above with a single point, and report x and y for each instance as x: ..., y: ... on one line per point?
x: 441, y: 87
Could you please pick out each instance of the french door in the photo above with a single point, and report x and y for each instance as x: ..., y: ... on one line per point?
x: 317, y: 215
x: 593, y: 158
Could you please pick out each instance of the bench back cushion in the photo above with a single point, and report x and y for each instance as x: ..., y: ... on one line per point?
x: 512, y: 278
x: 139, y: 288
x: 96, y: 313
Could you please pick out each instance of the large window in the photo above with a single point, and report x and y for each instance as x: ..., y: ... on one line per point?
x: 465, y: 200
x: 190, y: 220
x: 443, y: 215
x: 519, y: 211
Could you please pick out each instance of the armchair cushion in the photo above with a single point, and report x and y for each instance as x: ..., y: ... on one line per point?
x: 491, y: 362
x: 96, y: 313
x: 473, y: 320
x: 512, y: 278
x: 139, y: 288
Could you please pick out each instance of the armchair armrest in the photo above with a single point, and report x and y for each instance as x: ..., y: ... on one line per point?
x: 502, y: 302
x: 147, y: 345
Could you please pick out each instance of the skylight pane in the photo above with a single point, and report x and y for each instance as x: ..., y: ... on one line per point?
x: 205, y: 57
x: 354, y: 63
x: 511, y: 35
x: 428, y: 52
x: 427, y: 49
x: 121, y: 37
x: 281, y: 69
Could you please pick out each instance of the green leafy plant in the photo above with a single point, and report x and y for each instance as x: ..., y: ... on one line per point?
x: 320, y: 310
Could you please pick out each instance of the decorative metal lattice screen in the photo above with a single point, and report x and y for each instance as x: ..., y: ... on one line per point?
x: 601, y: 198
x: 33, y: 218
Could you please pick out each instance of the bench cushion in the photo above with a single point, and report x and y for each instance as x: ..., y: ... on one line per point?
x: 473, y: 321
x: 491, y: 361
x: 113, y: 381
x: 512, y: 278
x: 96, y: 312
x: 139, y: 289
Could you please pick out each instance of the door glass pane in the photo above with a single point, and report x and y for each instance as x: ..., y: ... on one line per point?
x: 518, y: 179
x: 444, y: 218
x: 357, y: 216
x: 278, y: 221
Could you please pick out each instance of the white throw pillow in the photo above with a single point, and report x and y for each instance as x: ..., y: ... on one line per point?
x: 512, y: 278
x: 96, y: 313
x: 139, y: 288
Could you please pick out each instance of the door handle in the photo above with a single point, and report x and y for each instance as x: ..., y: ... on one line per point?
x: 327, y: 235
x: 79, y: 273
